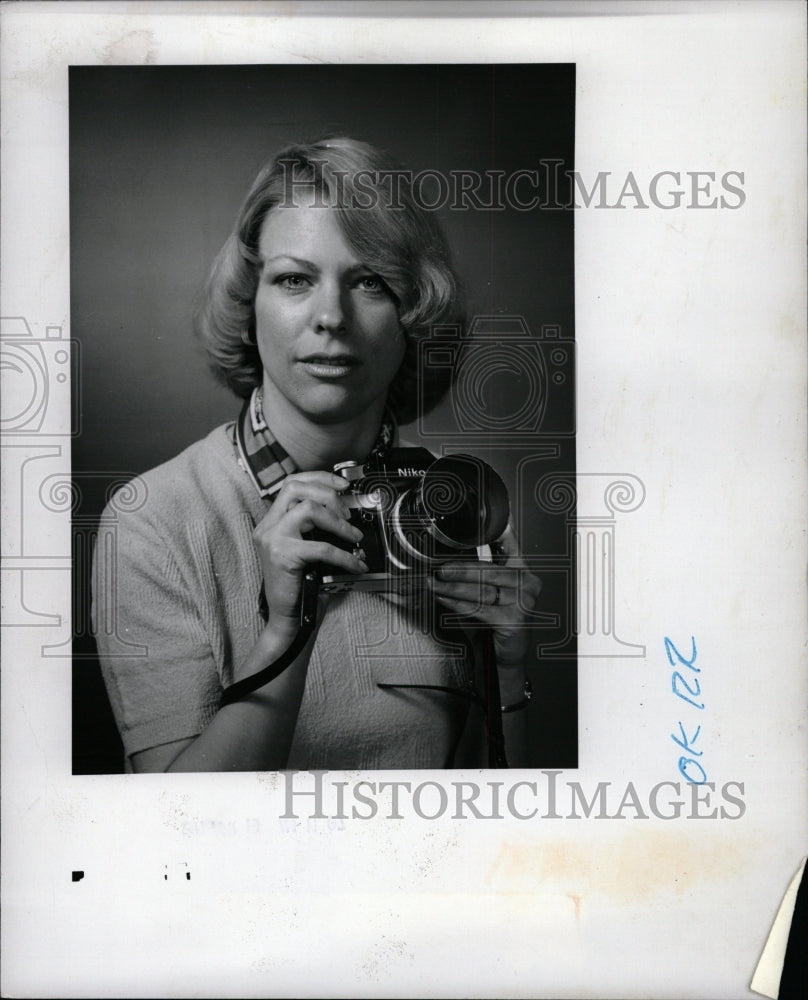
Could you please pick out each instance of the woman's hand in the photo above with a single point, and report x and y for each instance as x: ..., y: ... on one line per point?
x: 306, y: 502
x: 500, y: 596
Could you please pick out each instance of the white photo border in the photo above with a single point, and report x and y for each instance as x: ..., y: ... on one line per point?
x: 690, y: 328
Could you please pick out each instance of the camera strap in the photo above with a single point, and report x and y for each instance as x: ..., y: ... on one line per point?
x: 308, y: 619
x: 267, y: 463
x: 493, y: 703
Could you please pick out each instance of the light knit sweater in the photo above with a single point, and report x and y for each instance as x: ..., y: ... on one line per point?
x: 183, y: 580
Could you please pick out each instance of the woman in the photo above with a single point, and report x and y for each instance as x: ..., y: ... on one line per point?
x: 312, y: 312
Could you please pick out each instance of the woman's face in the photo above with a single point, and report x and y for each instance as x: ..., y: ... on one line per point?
x: 327, y: 327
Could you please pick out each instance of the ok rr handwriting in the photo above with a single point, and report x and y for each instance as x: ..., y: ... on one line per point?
x: 690, y: 766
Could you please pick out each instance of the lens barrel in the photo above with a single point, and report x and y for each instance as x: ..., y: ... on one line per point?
x: 460, y: 503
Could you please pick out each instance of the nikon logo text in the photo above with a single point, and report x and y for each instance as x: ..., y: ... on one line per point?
x: 411, y: 472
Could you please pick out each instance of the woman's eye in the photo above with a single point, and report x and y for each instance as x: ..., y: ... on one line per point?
x: 293, y: 282
x: 372, y: 283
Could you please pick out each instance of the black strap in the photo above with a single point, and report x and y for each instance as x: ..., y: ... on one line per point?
x: 308, y: 619
x: 493, y: 704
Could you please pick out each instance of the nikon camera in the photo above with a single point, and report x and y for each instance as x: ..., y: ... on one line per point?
x: 416, y: 512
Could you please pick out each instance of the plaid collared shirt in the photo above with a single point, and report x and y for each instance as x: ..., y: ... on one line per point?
x: 265, y: 459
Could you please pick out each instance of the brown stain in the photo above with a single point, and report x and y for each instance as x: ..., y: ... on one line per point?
x: 632, y: 868
x: 576, y: 902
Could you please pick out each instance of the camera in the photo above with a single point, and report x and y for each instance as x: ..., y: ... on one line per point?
x: 416, y: 512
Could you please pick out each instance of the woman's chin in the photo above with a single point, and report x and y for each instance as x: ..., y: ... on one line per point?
x: 335, y: 407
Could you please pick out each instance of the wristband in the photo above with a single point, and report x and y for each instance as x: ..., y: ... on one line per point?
x: 527, y: 694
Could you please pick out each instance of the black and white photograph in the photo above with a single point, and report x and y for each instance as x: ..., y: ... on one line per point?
x: 458, y: 254
x: 403, y: 427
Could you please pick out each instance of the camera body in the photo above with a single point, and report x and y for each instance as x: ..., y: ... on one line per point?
x: 416, y: 512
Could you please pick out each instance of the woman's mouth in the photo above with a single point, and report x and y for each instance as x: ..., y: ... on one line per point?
x: 330, y: 365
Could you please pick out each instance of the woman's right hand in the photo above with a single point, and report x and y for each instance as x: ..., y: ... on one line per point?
x: 306, y: 501
x: 256, y: 732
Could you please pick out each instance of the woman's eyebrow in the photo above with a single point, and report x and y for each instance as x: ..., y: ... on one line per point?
x: 298, y: 261
x: 311, y: 266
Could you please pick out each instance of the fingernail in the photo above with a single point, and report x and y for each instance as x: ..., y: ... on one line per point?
x: 357, y: 532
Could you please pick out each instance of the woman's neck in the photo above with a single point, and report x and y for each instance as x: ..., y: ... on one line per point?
x: 314, y: 446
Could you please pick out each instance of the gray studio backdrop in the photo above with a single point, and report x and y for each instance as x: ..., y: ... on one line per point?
x: 160, y: 159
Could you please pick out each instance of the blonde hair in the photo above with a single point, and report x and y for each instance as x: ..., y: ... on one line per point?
x: 397, y: 239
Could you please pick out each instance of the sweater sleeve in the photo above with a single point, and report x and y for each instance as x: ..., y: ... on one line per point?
x: 156, y: 657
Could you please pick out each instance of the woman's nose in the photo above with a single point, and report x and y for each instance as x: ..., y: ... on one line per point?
x: 329, y: 310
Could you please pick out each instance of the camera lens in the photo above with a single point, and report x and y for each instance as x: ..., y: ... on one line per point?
x: 460, y: 503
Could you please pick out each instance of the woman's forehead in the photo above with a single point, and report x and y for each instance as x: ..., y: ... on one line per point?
x: 306, y: 230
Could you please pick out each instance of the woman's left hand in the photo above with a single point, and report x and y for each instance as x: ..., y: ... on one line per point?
x: 502, y: 596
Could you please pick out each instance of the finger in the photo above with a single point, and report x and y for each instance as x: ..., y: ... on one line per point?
x: 509, y: 635
x: 322, y: 477
x: 288, y: 558
x: 479, y: 592
x: 308, y: 515
x: 295, y: 490
x: 471, y: 570
x: 306, y: 552
x: 465, y: 609
x: 478, y: 574
x: 516, y: 578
